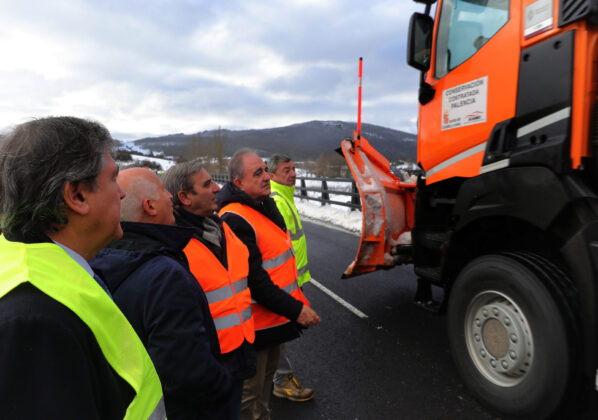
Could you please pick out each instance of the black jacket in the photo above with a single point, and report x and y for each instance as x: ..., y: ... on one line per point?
x: 262, y: 289
x: 148, y: 276
x: 240, y: 361
x: 51, y: 365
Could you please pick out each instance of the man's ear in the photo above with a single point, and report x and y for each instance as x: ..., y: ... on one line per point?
x: 75, y: 197
x: 148, y: 207
x: 237, y: 182
x: 183, y: 198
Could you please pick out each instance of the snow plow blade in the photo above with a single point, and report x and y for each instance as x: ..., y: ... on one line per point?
x: 387, y: 206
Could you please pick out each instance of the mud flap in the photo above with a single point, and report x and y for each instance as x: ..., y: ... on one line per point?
x: 386, y: 204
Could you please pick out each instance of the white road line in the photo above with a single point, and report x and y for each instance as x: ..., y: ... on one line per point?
x: 338, y: 298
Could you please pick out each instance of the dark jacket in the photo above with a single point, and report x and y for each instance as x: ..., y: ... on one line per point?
x: 148, y: 275
x: 241, y: 361
x: 263, y: 291
x: 51, y: 365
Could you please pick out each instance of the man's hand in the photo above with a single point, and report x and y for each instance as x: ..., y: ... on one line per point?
x: 308, y: 317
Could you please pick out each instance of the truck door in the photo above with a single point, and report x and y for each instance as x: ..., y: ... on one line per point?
x: 473, y: 71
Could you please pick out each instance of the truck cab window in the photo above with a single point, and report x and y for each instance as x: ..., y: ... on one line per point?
x: 464, y: 27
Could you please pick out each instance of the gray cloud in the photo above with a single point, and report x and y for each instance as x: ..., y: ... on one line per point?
x: 155, y: 67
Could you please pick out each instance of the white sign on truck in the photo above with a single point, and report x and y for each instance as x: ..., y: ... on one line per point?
x: 464, y: 104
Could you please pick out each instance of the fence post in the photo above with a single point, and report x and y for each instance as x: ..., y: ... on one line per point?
x: 303, y: 189
x: 325, y: 196
x: 355, y: 197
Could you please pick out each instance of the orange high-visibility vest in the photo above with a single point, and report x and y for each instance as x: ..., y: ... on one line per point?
x: 226, y: 290
x: 278, y: 259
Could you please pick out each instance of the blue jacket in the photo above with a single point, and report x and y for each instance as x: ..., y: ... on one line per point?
x: 147, y: 274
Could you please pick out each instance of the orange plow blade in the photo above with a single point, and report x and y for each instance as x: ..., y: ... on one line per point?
x: 387, y: 206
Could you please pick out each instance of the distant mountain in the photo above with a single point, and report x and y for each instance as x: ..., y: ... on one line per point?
x: 300, y: 141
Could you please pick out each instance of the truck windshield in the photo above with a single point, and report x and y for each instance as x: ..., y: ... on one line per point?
x: 464, y: 27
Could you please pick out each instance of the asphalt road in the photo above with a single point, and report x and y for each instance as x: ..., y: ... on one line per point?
x: 394, y: 364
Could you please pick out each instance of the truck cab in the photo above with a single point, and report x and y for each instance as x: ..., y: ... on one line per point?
x: 505, y: 217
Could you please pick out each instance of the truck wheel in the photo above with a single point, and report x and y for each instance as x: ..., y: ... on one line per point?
x: 508, y: 335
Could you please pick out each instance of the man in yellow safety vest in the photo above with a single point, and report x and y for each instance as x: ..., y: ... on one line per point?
x: 282, y: 186
x: 67, y: 351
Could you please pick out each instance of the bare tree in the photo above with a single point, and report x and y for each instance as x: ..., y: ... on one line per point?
x: 321, y: 167
x: 220, y: 139
x: 196, y: 147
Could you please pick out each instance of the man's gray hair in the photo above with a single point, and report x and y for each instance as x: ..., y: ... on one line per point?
x: 178, y: 178
x: 131, y: 207
x: 37, y: 159
x: 235, y: 166
x: 276, y: 160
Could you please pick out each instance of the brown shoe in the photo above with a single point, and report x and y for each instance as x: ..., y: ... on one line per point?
x: 291, y: 389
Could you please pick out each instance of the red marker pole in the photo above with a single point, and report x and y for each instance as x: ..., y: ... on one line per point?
x: 359, y: 99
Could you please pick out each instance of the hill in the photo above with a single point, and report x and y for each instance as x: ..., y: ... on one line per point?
x: 301, y: 141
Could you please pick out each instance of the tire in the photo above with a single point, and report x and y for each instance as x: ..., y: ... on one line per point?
x: 510, y: 337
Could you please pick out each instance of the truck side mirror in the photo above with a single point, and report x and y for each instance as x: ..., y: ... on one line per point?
x: 419, y: 45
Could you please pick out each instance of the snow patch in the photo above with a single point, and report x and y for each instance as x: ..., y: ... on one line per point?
x: 338, y: 216
x: 165, y: 163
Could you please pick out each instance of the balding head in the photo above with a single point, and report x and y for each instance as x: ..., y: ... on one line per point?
x: 250, y: 174
x: 146, y: 199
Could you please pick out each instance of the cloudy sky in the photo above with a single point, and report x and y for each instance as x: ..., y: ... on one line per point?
x: 156, y: 67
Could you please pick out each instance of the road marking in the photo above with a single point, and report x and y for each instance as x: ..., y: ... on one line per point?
x: 338, y: 298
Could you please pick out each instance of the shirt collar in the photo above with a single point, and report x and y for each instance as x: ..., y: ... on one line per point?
x: 78, y: 258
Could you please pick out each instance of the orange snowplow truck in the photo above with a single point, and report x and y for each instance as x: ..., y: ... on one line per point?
x: 505, y: 217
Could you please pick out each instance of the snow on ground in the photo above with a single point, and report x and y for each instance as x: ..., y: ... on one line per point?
x: 338, y: 216
x: 330, y: 214
x: 165, y: 163
x: 132, y: 147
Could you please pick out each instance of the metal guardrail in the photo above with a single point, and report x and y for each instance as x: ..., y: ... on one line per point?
x: 220, y: 178
x: 306, y: 186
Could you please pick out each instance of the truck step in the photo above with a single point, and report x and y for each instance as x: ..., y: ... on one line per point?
x: 402, y: 254
x: 432, y: 273
x: 432, y: 239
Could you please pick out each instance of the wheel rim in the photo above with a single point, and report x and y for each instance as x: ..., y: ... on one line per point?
x: 499, y: 338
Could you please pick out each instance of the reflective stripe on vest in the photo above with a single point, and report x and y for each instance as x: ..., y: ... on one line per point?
x: 226, y: 292
x: 232, y: 320
x: 298, y: 235
x: 159, y: 412
x: 226, y: 289
x: 278, y: 257
x: 302, y: 270
x: 288, y: 288
x: 48, y: 268
x: 279, y: 260
x: 291, y: 287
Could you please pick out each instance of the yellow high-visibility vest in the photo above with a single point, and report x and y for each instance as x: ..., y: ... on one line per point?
x: 283, y: 195
x: 51, y: 270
